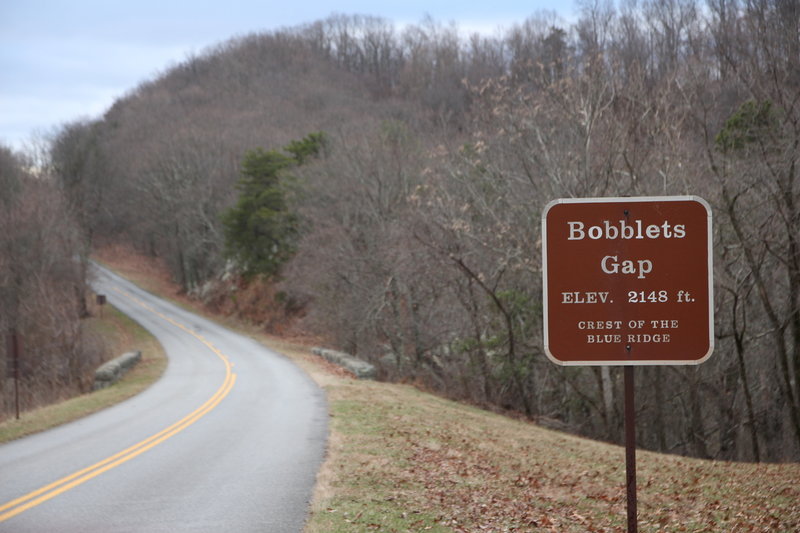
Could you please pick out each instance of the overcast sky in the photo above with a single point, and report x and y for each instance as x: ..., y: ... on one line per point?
x: 67, y: 60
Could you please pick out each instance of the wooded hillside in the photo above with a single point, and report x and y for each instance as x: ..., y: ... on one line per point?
x: 417, y: 225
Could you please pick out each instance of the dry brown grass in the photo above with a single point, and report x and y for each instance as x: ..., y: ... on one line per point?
x: 402, y: 460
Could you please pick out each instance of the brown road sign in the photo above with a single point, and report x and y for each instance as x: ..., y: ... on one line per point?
x: 628, y: 281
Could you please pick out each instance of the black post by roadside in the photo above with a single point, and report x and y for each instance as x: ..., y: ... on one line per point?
x: 630, y: 449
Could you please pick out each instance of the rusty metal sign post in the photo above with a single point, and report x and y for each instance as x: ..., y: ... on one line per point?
x: 13, y: 352
x: 627, y: 282
x: 630, y: 450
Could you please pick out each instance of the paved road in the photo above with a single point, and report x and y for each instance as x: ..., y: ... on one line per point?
x: 230, y: 439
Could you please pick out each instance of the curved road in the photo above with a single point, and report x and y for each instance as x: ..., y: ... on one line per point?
x: 230, y: 439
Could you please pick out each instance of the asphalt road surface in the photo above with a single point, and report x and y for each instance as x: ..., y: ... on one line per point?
x: 229, y: 440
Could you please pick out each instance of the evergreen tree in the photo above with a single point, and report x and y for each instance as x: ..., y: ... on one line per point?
x: 261, y: 229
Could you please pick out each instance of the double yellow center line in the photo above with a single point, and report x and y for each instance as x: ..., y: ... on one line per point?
x: 71, y: 481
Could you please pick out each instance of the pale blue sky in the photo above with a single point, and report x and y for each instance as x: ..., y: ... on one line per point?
x: 64, y: 60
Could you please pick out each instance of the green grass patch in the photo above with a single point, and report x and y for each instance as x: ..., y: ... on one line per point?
x: 121, y: 334
x: 346, y: 515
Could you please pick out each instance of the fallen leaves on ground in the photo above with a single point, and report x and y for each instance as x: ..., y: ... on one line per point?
x: 473, y: 471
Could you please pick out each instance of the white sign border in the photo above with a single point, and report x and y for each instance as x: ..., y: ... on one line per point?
x: 620, y: 199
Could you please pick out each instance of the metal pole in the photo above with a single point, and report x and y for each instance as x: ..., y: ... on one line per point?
x: 630, y: 449
x: 12, y: 343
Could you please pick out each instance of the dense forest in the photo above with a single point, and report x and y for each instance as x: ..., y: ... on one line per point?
x: 392, y: 182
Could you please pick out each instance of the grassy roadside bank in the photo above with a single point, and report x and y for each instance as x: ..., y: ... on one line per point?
x: 121, y: 335
x: 401, y: 460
